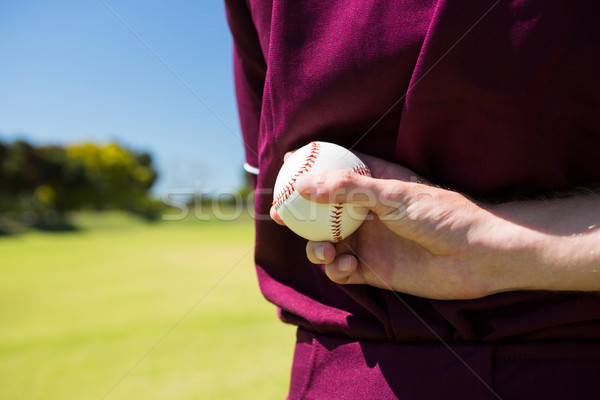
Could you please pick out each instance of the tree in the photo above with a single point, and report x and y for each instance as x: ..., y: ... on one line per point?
x: 45, y: 182
x: 119, y: 177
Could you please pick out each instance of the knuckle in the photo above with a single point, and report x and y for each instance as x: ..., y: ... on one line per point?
x: 393, y: 193
x: 341, y: 180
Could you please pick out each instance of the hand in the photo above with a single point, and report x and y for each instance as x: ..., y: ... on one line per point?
x: 439, y: 244
x: 417, y: 238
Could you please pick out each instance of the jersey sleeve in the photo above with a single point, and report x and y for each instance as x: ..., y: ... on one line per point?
x: 249, y: 69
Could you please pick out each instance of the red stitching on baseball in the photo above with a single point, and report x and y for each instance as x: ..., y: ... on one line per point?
x: 335, y: 216
x: 362, y: 169
x: 289, y: 187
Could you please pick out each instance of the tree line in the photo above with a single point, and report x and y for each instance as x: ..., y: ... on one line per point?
x: 41, y: 184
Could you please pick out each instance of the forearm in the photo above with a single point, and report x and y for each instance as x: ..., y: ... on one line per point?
x: 546, y: 245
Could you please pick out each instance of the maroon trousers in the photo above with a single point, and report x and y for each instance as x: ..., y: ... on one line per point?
x: 327, y: 367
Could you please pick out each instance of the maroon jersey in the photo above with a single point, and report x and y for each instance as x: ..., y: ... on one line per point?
x: 499, y: 100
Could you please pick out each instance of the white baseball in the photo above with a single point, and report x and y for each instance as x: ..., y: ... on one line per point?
x: 313, y: 221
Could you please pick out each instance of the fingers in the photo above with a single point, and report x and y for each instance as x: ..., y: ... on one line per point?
x: 320, y: 252
x: 288, y: 155
x: 344, y: 270
x: 379, y: 195
x: 275, y: 217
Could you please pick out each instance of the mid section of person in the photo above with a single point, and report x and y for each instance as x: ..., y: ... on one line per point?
x: 476, y: 276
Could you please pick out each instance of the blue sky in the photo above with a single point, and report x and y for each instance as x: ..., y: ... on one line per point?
x: 72, y: 71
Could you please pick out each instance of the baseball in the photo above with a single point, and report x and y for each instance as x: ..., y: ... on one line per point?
x: 313, y: 221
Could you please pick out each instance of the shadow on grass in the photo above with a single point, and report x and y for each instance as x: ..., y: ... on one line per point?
x: 62, y: 226
x: 13, y: 225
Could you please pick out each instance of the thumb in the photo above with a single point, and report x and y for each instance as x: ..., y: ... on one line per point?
x: 382, y: 196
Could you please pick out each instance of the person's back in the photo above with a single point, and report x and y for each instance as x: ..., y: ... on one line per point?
x: 497, y: 100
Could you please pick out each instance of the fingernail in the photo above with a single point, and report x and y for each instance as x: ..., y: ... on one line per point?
x: 320, y: 252
x: 306, y: 183
x: 345, y: 264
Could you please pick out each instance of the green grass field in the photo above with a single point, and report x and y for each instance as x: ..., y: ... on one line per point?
x: 123, y: 309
